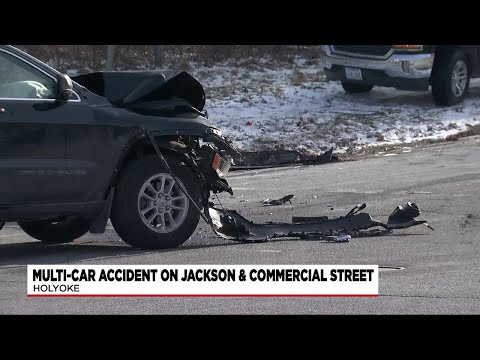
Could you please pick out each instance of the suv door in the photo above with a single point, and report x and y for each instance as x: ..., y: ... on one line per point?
x: 32, y: 134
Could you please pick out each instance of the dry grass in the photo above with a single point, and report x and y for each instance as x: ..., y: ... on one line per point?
x: 269, y: 143
x: 185, y: 66
x: 471, y: 131
x: 298, y: 78
x: 318, y: 76
x: 92, y: 57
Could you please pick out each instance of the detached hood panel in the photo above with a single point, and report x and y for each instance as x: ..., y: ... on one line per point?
x: 122, y: 88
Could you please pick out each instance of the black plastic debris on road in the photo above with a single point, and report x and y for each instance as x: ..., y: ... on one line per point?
x: 271, y: 158
x: 231, y: 225
x: 272, y: 202
x: 404, y: 215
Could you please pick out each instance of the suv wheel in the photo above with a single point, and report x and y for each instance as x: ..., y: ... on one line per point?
x: 149, y: 210
x: 450, y: 78
x: 56, y: 231
x: 352, y: 88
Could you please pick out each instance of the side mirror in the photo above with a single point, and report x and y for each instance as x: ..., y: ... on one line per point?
x: 64, y: 87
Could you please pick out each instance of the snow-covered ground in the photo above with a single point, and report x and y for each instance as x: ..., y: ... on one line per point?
x: 294, y: 107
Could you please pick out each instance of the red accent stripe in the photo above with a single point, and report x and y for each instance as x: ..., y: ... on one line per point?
x: 202, y: 295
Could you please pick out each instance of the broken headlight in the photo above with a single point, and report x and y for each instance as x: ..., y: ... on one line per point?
x: 214, y: 159
x: 215, y: 131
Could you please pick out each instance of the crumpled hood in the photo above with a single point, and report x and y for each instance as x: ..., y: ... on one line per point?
x: 122, y: 88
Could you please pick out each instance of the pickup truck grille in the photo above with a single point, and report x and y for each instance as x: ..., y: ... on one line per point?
x: 365, y: 50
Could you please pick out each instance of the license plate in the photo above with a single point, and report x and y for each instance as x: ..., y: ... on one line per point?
x: 353, y: 73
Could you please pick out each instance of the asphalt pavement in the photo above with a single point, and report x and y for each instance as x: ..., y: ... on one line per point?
x: 422, y: 272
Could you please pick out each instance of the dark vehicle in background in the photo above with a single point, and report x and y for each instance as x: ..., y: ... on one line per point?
x: 446, y: 68
x: 75, y: 153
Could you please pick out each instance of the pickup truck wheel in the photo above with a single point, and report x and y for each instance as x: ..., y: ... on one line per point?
x: 450, y: 78
x: 149, y: 210
x: 56, y: 231
x: 352, y: 88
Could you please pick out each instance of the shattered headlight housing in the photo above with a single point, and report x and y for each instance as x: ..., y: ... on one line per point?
x: 222, y: 143
x: 215, y: 131
x: 221, y: 164
x: 214, y: 160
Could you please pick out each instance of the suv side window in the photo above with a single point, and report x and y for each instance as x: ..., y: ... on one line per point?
x: 20, y: 80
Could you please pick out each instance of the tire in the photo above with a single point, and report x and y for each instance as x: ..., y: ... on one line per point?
x: 450, y: 67
x: 352, y: 88
x: 148, y: 231
x: 56, y: 231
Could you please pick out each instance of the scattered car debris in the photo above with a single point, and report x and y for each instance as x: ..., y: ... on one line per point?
x: 283, y: 200
x: 338, y: 238
x: 308, y: 219
x: 327, y: 156
x: 328, y: 238
x: 279, y: 157
x: 371, y: 233
x: 231, y: 225
x: 404, y: 216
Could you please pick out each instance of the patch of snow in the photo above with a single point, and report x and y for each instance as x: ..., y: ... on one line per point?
x: 296, y: 108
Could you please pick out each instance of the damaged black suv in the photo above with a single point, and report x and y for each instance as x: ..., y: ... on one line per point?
x: 133, y: 147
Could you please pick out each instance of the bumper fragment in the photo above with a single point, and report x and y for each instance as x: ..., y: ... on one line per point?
x: 229, y: 224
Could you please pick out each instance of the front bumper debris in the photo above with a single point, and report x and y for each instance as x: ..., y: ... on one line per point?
x: 229, y: 224
x: 275, y: 202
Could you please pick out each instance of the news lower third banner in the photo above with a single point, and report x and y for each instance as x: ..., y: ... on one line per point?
x: 202, y: 280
